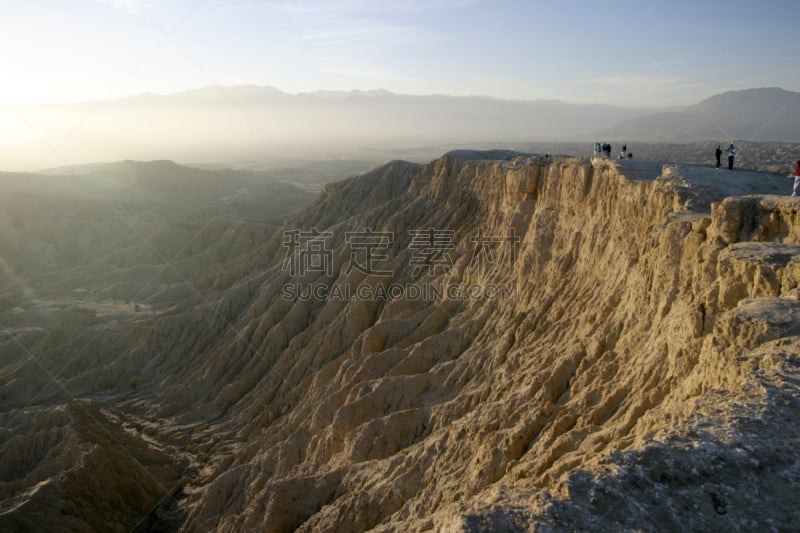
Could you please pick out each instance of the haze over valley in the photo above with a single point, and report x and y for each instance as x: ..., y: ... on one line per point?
x: 262, y: 126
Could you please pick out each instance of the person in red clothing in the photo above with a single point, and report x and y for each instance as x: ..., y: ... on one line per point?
x: 796, y: 189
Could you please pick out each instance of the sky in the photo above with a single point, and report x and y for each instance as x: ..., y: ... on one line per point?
x: 628, y: 53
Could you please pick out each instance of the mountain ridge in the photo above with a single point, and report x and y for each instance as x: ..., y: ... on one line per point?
x: 763, y: 114
x: 262, y: 123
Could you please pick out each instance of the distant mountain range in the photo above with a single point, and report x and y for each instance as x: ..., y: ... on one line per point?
x: 258, y: 123
x: 770, y: 114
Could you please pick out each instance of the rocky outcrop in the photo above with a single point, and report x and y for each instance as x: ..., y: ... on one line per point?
x: 602, y: 345
x: 627, y: 313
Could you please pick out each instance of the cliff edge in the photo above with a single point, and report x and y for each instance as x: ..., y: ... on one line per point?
x: 640, y: 372
x: 510, y: 344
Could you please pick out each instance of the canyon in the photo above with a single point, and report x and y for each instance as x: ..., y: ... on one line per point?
x: 604, y: 345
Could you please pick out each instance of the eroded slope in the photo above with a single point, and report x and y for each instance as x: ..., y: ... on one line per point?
x: 633, y: 364
x: 629, y: 326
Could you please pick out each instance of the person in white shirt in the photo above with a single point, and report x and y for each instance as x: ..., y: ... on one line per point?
x: 731, y: 155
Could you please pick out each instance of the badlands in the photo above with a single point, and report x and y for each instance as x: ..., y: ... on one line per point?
x: 600, y: 345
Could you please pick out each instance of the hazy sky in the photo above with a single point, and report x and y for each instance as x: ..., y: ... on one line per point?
x: 635, y: 53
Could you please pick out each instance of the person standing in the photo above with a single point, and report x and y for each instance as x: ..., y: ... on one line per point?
x: 796, y: 188
x: 731, y: 155
x: 718, y: 154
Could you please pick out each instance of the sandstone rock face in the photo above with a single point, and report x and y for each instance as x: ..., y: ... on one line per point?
x: 613, y: 345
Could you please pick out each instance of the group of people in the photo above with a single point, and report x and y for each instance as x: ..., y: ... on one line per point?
x: 604, y: 149
x: 731, y: 155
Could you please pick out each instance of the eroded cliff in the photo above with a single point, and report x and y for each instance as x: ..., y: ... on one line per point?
x: 615, y: 346
x: 649, y: 325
